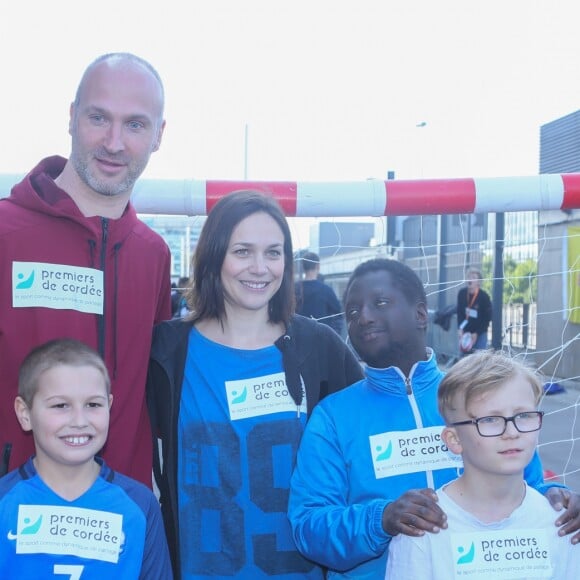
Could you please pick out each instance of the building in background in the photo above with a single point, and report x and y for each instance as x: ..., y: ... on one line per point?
x: 558, y: 276
x: 181, y: 234
x: 330, y: 238
x: 560, y: 145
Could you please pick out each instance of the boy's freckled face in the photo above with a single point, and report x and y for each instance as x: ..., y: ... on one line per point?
x: 506, y: 454
x: 69, y: 416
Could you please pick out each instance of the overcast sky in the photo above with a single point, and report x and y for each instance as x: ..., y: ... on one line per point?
x: 330, y: 90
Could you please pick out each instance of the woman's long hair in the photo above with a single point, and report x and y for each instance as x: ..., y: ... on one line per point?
x: 206, y: 296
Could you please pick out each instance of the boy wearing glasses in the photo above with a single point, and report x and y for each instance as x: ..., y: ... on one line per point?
x: 498, y: 526
x: 371, y: 455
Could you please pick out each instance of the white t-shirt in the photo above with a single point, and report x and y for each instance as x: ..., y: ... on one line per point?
x: 521, y: 547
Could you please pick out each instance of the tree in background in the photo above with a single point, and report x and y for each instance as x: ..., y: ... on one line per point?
x: 520, y: 282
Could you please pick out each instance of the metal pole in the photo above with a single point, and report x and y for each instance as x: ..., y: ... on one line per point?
x: 246, y: 152
x: 497, y: 293
x: 443, y: 225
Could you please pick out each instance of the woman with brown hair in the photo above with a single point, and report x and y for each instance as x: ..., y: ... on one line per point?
x: 230, y: 388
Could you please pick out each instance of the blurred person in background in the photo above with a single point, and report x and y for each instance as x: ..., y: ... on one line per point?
x: 178, y: 300
x: 314, y: 298
x: 473, y: 314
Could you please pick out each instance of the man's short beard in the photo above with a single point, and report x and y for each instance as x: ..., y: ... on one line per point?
x: 103, y: 187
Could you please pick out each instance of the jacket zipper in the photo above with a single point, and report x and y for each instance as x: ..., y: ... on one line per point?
x: 419, y: 423
x: 101, y: 319
x: 408, y: 386
x: 6, y: 452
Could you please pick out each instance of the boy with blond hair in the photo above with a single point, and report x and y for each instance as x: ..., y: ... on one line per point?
x: 498, y: 526
x: 65, y: 513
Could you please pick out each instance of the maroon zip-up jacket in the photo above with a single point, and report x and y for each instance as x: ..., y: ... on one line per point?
x: 51, y: 262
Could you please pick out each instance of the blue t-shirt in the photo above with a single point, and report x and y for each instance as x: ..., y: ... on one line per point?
x: 113, y: 530
x: 239, y: 431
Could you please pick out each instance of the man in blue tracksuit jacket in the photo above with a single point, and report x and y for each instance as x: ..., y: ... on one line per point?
x: 370, y: 452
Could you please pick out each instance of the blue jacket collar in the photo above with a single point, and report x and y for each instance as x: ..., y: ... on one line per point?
x: 393, y: 380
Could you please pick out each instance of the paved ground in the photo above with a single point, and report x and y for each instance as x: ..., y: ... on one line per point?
x: 560, y: 436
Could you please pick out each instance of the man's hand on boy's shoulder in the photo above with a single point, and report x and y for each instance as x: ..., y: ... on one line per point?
x: 569, y: 522
x: 414, y: 513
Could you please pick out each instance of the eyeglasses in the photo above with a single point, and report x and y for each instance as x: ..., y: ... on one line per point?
x: 496, y: 425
